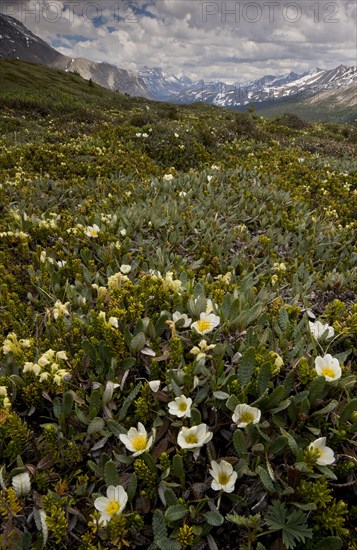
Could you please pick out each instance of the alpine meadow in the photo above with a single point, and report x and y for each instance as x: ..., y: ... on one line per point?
x: 177, y: 285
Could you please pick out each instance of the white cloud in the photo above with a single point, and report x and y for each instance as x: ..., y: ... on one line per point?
x: 228, y: 41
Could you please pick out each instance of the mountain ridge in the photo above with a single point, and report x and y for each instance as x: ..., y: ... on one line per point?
x: 18, y: 42
x: 338, y: 84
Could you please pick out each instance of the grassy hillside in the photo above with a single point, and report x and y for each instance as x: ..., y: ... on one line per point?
x: 325, y: 110
x: 159, y: 267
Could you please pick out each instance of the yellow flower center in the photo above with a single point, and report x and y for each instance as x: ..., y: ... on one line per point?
x: 328, y: 371
x: 247, y: 417
x: 112, y: 507
x: 139, y: 442
x: 191, y: 439
x: 203, y: 325
x: 223, y: 478
x: 182, y: 406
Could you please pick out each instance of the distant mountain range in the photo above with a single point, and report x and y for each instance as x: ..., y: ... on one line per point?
x: 341, y: 81
x: 336, y: 86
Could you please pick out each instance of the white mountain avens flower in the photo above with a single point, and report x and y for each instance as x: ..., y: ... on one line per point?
x: 125, y: 269
x: 92, y: 231
x: 318, y: 329
x: 137, y: 440
x: 180, y: 407
x: 177, y: 316
x: 21, y: 484
x: 245, y: 414
x: 329, y: 367
x: 111, y: 505
x: 168, y: 177
x: 206, y: 323
x: 195, y: 437
x: 326, y: 455
x: 154, y: 385
x: 224, y: 477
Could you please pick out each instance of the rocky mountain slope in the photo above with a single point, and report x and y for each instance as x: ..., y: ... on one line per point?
x: 17, y: 42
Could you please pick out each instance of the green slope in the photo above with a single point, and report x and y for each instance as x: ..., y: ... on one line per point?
x: 118, y: 213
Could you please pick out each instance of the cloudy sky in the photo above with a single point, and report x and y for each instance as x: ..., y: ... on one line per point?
x: 227, y: 41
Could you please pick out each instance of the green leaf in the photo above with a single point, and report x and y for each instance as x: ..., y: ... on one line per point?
x: 275, y: 397
x: 138, y: 342
x: 90, y: 351
x: 326, y: 471
x: 111, y: 476
x: 175, y: 513
x: 168, y: 544
x: 284, y: 320
x: 128, y: 401
x: 234, y: 310
x: 226, y: 306
x: 232, y: 402
x: 115, y: 427
x: 132, y: 486
x: 289, y: 381
x: 214, y: 518
x: 159, y: 526
x: 283, y: 405
x: 161, y: 323
x: 266, y: 479
x: 323, y: 412
x: 95, y: 403
x: 348, y: 410
x: 67, y: 404
x: 170, y: 497
x: 178, y: 469
x: 221, y: 395
x: 246, y: 366
x: 316, y: 388
x: 327, y: 543
x: 195, y: 417
x: 127, y: 363
x: 201, y: 396
x: 291, y: 441
x: 96, y: 425
x: 239, y: 444
x: 277, y: 445
x: 292, y: 525
x: 263, y: 378
x: 57, y: 407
